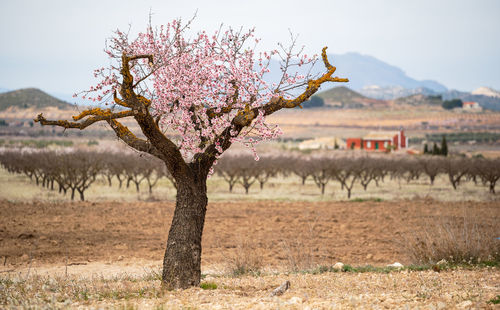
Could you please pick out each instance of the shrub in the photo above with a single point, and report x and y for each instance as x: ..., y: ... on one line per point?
x: 208, y: 285
x: 314, y: 102
x: 451, y: 104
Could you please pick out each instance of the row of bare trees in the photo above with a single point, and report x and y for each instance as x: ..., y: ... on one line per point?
x: 74, y: 172
x: 348, y: 171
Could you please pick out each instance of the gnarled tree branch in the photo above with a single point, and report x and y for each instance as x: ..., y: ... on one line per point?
x: 94, y: 116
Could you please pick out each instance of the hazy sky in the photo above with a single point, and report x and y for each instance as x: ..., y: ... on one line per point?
x: 55, y: 45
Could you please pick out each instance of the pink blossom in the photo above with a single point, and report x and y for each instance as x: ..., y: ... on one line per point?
x: 192, y: 78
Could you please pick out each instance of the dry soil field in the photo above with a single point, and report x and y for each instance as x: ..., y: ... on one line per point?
x: 108, y: 254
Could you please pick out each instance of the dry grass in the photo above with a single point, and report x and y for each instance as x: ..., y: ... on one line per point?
x: 328, y: 290
x: 247, y: 258
x: 455, y: 239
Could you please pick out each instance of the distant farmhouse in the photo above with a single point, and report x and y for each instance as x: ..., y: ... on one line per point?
x: 379, y: 141
x: 471, y: 106
x: 323, y: 143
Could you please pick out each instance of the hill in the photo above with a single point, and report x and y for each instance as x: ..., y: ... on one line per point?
x: 30, y: 97
x: 343, y: 97
x: 419, y: 99
x: 393, y: 92
x: 486, y: 102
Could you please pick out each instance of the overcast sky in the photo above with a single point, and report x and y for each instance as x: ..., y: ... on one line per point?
x: 55, y: 45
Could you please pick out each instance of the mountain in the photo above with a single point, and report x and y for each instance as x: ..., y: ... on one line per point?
x: 343, y: 97
x: 486, y: 91
x: 30, y: 97
x: 363, y: 71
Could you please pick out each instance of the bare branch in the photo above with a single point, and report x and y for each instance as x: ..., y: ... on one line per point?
x: 97, y: 115
x: 278, y: 103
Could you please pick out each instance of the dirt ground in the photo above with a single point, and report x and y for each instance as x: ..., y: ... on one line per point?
x: 266, y: 234
x: 108, y: 255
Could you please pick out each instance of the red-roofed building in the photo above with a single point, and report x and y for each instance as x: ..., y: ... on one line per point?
x: 379, y: 141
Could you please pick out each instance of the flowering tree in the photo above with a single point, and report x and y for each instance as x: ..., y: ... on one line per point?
x: 192, y: 99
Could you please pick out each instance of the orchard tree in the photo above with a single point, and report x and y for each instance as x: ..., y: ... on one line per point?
x: 193, y: 96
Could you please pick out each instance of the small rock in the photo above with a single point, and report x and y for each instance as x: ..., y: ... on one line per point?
x: 396, y: 265
x: 26, y: 236
x: 120, y: 258
x: 43, y: 238
x: 25, y: 257
x: 442, y: 262
x: 440, y: 305
x: 369, y: 256
x: 464, y: 305
x: 121, y: 246
x: 338, y: 266
x: 295, y: 300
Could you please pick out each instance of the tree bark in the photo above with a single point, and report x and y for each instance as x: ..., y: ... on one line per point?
x: 182, y: 261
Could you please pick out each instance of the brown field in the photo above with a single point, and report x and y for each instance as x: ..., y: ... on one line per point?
x: 276, y: 233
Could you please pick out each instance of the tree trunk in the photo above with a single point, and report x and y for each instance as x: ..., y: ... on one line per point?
x: 182, y: 261
x: 453, y: 182
x: 82, y: 197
